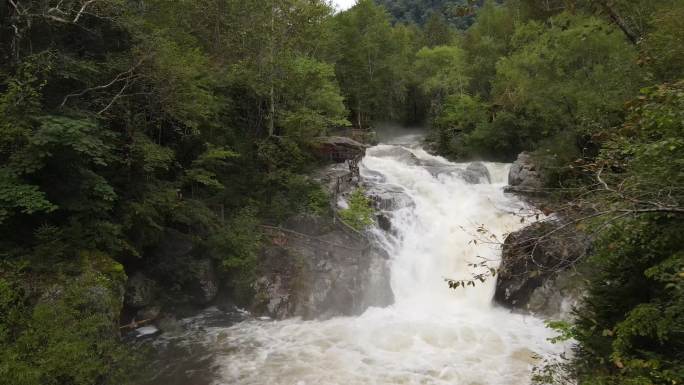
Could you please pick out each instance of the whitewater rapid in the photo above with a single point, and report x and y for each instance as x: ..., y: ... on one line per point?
x: 432, y: 334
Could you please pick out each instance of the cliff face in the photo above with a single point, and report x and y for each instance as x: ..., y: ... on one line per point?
x: 537, y: 272
x: 319, y: 267
x: 320, y: 275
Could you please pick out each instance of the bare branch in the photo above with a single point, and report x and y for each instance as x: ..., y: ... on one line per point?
x: 120, y: 77
x: 80, y: 12
x: 117, y: 96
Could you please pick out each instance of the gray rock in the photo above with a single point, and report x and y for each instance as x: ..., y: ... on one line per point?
x: 477, y: 173
x: 524, y: 174
x: 401, y: 154
x: 320, y: 276
x: 384, y: 222
x: 140, y: 290
x: 535, y: 273
x: 388, y: 197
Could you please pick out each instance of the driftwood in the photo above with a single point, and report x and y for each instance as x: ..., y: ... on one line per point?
x: 135, y: 324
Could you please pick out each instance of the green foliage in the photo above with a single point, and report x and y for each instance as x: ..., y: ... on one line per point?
x: 127, y: 122
x: 442, y: 68
x: 359, y: 214
x: 575, y: 75
x: 629, y: 328
x: 204, y: 169
x: 66, y: 338
x: 650, y: 145
x: 239, y: 242
x: 663, y: 48
x: 461, y: 114
x: 485, y: 42
x: 561, y: 79
x: 17, y: 196
x: 236, y: 246
x: 437, y: 31
x: 312, y: 100
x: 372, y: 74
x: 458, y: 13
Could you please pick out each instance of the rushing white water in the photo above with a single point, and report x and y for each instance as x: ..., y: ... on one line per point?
x: 431, y: 335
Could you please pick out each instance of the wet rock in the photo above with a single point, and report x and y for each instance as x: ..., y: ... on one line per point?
x: 437, y: 170
x: 140, y: 290
x: 477, y: 173
x: 535, y: 273
x: 384, y: 222
x: 387, y: 197
x: 401, y: 154
x: 525, y: 174
x: 319, y: 276
x: 557, y: 296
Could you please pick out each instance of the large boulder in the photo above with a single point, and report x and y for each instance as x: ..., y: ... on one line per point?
x: 476, y: 173
x: 319, y: 275
x: 525, y: 174
x: 535, y: 273
x: 401, y: 154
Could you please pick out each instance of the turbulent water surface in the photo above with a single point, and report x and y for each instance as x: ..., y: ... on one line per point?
x: 431, y: 335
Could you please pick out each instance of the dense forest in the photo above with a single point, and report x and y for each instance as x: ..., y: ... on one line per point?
x: 123, y: 119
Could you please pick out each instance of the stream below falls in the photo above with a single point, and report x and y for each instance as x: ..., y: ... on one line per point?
x: 430, y: 335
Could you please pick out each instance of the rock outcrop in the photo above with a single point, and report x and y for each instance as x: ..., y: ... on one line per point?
x: 320, y: 276
x: 477, y: 173
x: 536, y: 272
x: 318, y: 267
x: 525, y: 175
x: 339, y: 148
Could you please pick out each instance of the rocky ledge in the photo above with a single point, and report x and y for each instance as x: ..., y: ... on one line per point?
x: 537, y: 272
x: 525, y: 176
x: 318, y: 267
x: 319, y: 273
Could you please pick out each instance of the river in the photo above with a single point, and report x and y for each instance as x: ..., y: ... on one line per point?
x: 431, y: 334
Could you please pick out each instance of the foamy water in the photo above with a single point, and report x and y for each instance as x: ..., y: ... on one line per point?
x: 432, y: 334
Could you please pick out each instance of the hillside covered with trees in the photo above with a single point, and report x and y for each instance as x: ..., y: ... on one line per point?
x: 122, y: 119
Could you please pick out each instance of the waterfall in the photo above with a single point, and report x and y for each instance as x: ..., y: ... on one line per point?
x: 431, y: 334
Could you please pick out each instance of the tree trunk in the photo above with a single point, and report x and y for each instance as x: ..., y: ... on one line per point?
x: 271, y: 112
x: 619, y: 21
